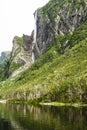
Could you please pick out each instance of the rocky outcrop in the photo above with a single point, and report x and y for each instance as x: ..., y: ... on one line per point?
x: 57, y: 18
x: 22, y: 49
x: 21, y: 54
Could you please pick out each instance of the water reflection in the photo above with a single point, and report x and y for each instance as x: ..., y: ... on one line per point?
x: 25, y: 117
x: 4, y: 124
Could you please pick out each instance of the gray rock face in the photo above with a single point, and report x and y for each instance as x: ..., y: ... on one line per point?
x: 44, y: 34
x: 22, y: 54
x: 22, y: 50
x: 57, y: 18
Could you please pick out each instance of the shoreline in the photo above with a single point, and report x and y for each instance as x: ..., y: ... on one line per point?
x: 58, y: 104
x: 3, y: 101
x: 55, y: 104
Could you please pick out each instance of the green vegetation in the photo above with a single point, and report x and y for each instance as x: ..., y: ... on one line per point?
x: 19, y: 40
x: 14, y: 66
x: 50, y: 10
x: 60, y: 74
x: 56, y: 76
x: 79, y: 34
x: 4, y: 68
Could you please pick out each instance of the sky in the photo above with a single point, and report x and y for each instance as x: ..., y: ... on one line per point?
x: 16, y: 18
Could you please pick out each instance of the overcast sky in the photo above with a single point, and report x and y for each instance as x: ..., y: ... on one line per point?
x: 16, y: 18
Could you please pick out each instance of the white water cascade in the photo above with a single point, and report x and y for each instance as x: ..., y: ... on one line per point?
x: 35, y: 38
x: 35, y: 35
x: 35, y: 28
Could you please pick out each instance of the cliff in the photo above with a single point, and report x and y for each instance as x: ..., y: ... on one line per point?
x: 58, y: 49
x: 21, y: 54
x: 55, y: 19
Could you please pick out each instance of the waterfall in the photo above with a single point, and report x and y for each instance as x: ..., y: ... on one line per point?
x: 35, y: 39
x: 35, y: 28
x: 35, y: 36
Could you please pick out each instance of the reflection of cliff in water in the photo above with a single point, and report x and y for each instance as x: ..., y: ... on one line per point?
x: 5, y: 125
x: 7, y: 120
x: 54, y: 118
x: 25, y: 117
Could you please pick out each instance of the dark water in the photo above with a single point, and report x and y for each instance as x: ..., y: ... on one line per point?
x: 25, y: 117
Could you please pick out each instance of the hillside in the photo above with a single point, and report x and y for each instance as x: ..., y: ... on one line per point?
x: 4, y: 65
x: 60, y: 70
x: 4, y: 55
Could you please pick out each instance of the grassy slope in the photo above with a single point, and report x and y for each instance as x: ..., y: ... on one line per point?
x: 54, y: 77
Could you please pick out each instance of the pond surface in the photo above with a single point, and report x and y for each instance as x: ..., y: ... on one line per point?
x: 25, y: 117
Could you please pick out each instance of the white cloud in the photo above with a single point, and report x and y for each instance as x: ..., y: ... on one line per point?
x: 16, y: 18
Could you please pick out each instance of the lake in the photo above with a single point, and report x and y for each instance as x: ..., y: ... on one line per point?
x: 25, y: 117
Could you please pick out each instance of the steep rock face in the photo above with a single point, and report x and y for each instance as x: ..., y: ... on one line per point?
x: 57, y: 18
x: 21, y: 52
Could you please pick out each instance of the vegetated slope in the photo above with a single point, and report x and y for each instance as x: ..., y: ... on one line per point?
x: 4, y: 55
x: 4, y: 65
x: 55, y: 76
